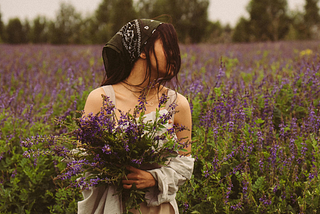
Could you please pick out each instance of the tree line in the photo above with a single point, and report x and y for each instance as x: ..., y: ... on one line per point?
x: 269, y: 20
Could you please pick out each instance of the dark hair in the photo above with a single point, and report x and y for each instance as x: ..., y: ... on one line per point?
x: 121, y: 69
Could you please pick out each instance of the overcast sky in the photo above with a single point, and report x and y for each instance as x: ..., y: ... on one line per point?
x: 227, y: 11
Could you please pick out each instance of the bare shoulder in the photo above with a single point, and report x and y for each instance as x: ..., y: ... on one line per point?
x: 95, y: 94
x: 182, y: 102
x: 183, y: 115
x: 94, y: 101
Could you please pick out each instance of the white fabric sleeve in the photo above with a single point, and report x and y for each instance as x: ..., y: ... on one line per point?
x: 169, y: 179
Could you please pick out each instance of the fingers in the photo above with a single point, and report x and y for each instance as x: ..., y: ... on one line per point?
x: 133, y: 169
x: 132, y: 176
x: 127, y: 184
x: 140, y: 178
x: 130, y: 182
x: 140, y: 184
x: 135, y: 175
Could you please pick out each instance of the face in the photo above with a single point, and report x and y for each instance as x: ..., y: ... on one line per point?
x: 159, y: 54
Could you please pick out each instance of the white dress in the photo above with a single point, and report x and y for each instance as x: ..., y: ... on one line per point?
x: 160, y: 199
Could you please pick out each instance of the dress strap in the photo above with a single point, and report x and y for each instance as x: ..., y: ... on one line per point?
x: 108, y: 90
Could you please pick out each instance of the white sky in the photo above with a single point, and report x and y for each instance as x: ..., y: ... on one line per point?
x: 227, y: 11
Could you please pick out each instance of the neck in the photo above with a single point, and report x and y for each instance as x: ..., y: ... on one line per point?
x: 138, y: 75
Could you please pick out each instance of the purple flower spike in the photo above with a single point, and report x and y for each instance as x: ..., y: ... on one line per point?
x: 106, y: 149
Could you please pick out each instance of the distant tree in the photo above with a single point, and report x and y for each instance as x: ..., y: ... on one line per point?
x: 242, y: 31
x: 268, y: 19
x: 198, y: 19
x: 1, y: 28
x: 88, y: 29
x: 104, y: 13
x: 110, y: 16
x: 101, y: 26
x: 297, y: 27
x: 97, y: 33
x: 14, y: 31
x: 213, y: 33
x: 190, y: 18
x: 65, y: 29
x: 227, y: 34
x: 26, y: 28
x: 39, y: 30
x: 311, y: 17
x: 123, y: 13
x: 145, y: 8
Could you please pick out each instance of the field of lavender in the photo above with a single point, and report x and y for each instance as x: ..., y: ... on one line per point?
x: 256, y: 125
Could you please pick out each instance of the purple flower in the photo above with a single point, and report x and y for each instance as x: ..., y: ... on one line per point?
x: 275, y: 188
x: 136, y: 161
x: 186, y: 206
x: 26, y: 154
x: 265, y: 201
x: 206, y: 173
x: 163, y: 99
x: 93, y: 182
x: 14, y: 173
x: 245, y: 188
x: 236, y: 206
x: 126, y: 147
x: 106, y: 149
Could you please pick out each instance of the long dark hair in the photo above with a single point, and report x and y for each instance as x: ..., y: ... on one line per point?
x: 121, y: 69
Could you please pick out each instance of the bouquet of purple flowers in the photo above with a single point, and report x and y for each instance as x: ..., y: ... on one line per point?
x: 98, y: 151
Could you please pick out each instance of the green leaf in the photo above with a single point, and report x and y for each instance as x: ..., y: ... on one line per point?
x: 259, y: 184
x: 259, y: 121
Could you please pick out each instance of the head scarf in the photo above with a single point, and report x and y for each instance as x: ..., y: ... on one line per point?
x: 127, y: 43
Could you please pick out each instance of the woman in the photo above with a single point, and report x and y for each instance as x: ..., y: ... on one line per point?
x: 143, y: 51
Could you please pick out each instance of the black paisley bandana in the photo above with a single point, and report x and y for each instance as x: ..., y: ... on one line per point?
x: 129, y: 40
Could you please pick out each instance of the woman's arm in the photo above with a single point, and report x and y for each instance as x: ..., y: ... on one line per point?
x: 180, y: 168
x: 183, y: 117
x: 94, y: 102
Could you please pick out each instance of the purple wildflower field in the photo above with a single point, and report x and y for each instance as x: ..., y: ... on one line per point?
x: 256, y: 124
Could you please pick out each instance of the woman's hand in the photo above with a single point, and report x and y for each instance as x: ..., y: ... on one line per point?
x: 141, y: 178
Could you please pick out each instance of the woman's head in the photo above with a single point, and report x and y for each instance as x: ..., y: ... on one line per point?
x: 164, y: 38
x: 142, y: 36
